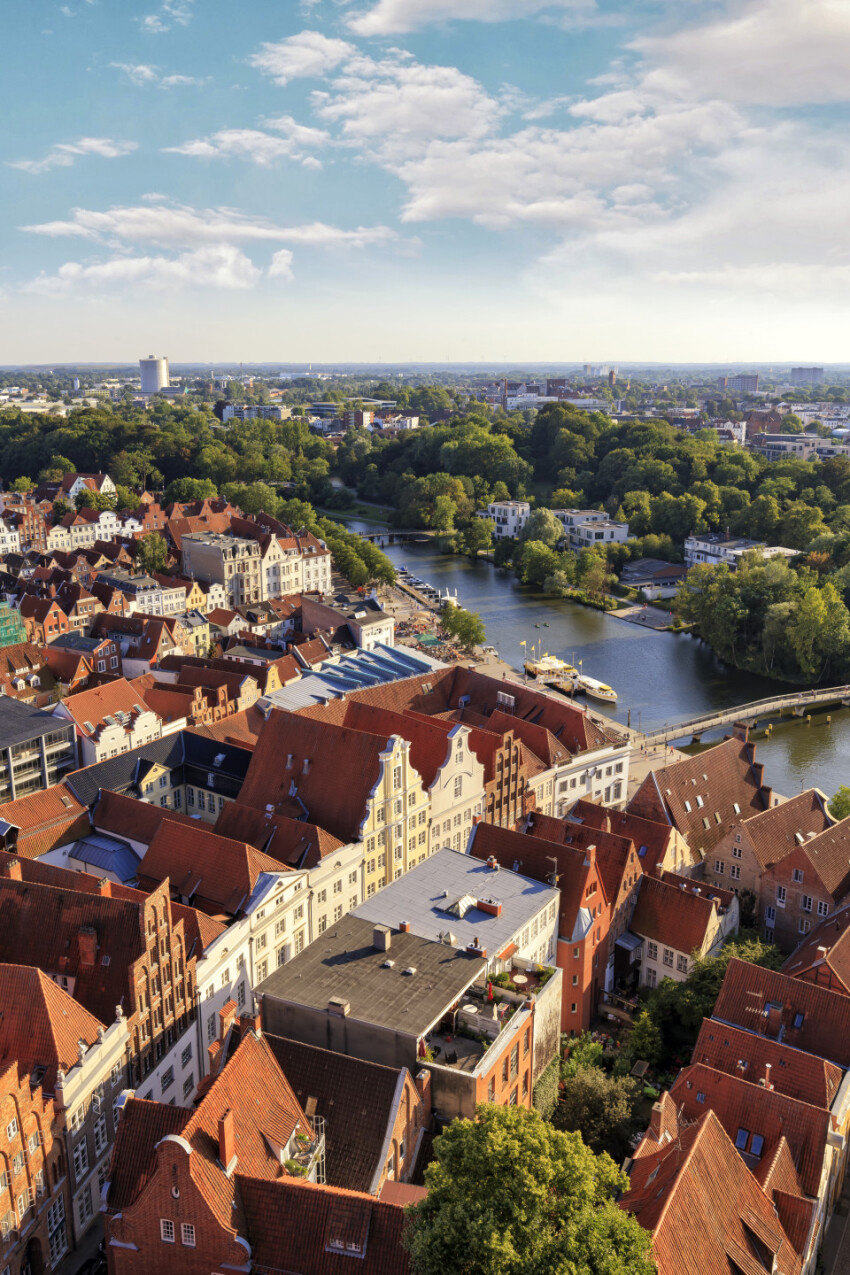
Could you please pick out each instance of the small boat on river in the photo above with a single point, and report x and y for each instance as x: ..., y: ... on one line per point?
x: 550, y: 668
x: 596, y: 689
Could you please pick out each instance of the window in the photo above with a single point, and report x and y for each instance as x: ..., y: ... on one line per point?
x: 58, y: 1241
x: 261, y: 942
x: 12, y: 1129
x: 737, y: 852
x: 757, y: 1144
x: 806, y: 902
x: 322, y: 896
x: 682, y: 964
x: 211, y: 1027
x: 735, y: 872
x: 188, y: 1085
x: 352, y: 878
x: 18, y: 1163
x: 652, y: 951
x: 741, y: 1139
x: 396, y: 778
x: 323, y: 925
x: 166, y: 1230
x: 32, y: 1142
x: 797, y: 876
x: 781, y: 894
x: 280, y: 927
x: 823, y: 909
x: 240, y: 995
x: 700, y: 1097
x: 81, y: 1158
x: 338, y: 886
x: 668, y: 956
x: 186, y: 1056
x: 338, y: 912
x: 458, y: 787
x: 769, y: 915
x: 187, y: 1234
x: 262, y: 971
x: 168, y: 1074
x: 298, y: 914
x: 803, y: 925
x: 719, y: 867
x: 84, y: 1207
x: 100, y: 1138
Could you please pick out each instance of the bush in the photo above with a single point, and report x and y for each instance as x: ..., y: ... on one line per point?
x: 545, y: 1092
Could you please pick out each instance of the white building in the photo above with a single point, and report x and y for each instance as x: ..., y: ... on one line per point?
x: 713, y: 548
x: 508, y: 517
x: 154, y: 374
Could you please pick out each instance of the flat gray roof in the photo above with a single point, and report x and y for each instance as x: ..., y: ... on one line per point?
x: 21, y: 722
x: 423, y: 896
x: 343, y: 962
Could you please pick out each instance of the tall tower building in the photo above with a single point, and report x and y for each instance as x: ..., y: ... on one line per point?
x: 154, y: 374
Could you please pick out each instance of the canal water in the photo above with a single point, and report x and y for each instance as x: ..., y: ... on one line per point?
x: 658, y: 677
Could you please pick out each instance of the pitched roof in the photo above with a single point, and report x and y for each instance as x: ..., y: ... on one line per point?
x: 47, y: 819
x: 775, y: 832
x: 706, y: 1211
x: 791, y: 1071
x: 707, y: 794
x: 293, y: 842
x: 829, y: 855
x: 42, y: 1024
x: 320, y: 753
x: 299, y: 1225
x: 768, y: 1002
x: 429, y: 745
x: 824, y: 954
x: 651, y: 838
x: 612, y: 852
x: 746, y: 1109
x: 142, y: 1126
x: 214, y: 873
x: 677, y: 918
x: 128, y: 817
x: 88, y: 708
x: 357, y: 1100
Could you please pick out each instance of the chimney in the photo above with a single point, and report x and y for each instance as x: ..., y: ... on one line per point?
x: 662, y: 1121
x: 249, y: 1023
x: 87, y: 940
x: 491, y: 906
x: 493, y: 863
x: 404, y: 927
x: 606, y: 823
x: 767, y: 1083
x: 382, y: 938
x: 423, y: 1086
x: 741, y: 731
x: 12, y: 870
x: 227, y: 1142
x: 339, y: 1006
x: 822, y: 951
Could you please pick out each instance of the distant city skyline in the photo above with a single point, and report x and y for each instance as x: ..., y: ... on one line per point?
x: 376, y: 181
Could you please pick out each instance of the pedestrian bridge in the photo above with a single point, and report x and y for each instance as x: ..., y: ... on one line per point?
x: 798, y: 704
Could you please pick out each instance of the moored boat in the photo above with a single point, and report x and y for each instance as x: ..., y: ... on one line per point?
x: 596, y: 689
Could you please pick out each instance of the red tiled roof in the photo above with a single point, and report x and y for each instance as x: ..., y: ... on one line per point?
x: 774, y: 832
x: 651, y: 838
x: 742, y: 1107
x: 328, y: 752
x: 46, y: 820
x: 613, y: 852
x: 42, y: 1024
x: 792, y: 1071
x: 677, y: 918
x: 704, y: 1206
x: 212, y: 872
x: 242, y: 728
x: 94, y: 704
x: 829, y: 855
x: 824, y: 955
x: 429, y: 744
x: 292, y: 842
x: 127, y: 817
x: 141, y: 1127
x: 304, y: 1227
x: 707, y: 794
x: 766, y: 1001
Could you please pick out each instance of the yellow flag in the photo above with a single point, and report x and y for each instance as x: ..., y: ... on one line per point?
x: 523, y: 643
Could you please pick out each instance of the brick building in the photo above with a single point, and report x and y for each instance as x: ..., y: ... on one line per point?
x: 678, y: 918
x: 740, y: 857
x: 810, y: 883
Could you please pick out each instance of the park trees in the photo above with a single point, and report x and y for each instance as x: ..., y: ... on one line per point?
x: 466, y: 626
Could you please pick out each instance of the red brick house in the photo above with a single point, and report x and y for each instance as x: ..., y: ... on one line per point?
x: 823, y: 957
x: 806, y: 886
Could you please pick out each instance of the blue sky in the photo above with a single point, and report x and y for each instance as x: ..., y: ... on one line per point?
x: 382, y: 180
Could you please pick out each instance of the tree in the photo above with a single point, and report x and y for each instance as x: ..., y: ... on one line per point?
x: 152, y: 553
x: 543, y: 527
x: 185, y: 490
x: 645, y: 1040
x: 466, y: 626
x: 477, y: 537
x: 602, y: 1108
x: 839, y: 807
x: 23, y: 484
x: 510, y: 1195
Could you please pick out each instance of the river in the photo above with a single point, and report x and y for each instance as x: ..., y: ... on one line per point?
x: 659, y: 677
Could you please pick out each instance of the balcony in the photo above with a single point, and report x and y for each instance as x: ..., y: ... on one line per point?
x: 304, y: 1157
x: 621, y: 1008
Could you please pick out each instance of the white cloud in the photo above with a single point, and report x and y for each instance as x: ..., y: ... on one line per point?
x: 292, y: 142
x: 177, y: 81
x: 768, y: 52
x: 214, y: 266
x: 64, y: 154
x: 398, y: 106
x: 308, y: 54
x: 318, y: 234
x: 171, y: 12
x: 391, y: 17
x: 139, y: 73
x: 281, y: 266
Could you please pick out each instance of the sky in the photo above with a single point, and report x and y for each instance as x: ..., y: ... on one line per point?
x: 442, y: 180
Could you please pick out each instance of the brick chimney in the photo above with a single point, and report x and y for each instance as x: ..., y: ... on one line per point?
x: 249, y: 1023
x: 12, y: 870
x: 382, y: 937
x: 87, y: 940
x: 226, y: 1140
x: 423, y: 1086
x: 741, y: 731
x: 663, y: 1123
x: 404, y: 927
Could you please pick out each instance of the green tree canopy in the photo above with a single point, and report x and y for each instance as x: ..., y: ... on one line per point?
x: 602, y: 1108
x: 466, y: 626
x: 152, y: 553
x: 510, y: 1195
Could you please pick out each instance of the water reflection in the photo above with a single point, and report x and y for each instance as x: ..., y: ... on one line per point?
x: 659, y: 677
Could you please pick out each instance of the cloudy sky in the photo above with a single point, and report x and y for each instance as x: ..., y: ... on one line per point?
x: 382, y: 180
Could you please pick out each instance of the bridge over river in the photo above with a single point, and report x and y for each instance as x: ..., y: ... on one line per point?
x: 798, y: 703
